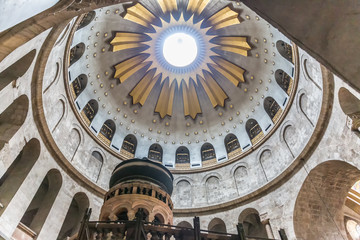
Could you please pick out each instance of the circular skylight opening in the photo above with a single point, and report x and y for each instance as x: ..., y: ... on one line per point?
x: 180, y: 49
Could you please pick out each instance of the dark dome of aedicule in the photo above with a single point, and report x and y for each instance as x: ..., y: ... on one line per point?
x: 142, y: 169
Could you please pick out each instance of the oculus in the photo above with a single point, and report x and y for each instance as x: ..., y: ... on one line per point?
x: 181, y: 49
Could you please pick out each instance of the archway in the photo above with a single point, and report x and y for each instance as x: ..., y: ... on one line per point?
x: 75, y: 213
x: 12, y: 119
x: 350, y: 105
x: 321, y: 199
x: 39, y: 208
x: 14, y: 176
x: 252, y: 225
x: 17, y: 69
x: 217, y: 225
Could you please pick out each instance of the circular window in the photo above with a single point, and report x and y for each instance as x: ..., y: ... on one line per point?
x: 180, y: 49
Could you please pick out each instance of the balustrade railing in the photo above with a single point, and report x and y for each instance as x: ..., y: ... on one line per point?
x: 139, y: 229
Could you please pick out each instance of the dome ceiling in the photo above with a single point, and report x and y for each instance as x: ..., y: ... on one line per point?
x: 187, y: 78
x: 230, y: 94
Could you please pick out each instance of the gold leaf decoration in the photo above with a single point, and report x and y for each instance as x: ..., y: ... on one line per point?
x: 187, y: 83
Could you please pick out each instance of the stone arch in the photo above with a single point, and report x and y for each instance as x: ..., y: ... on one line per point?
x: 304, y: 107
x: 182, y: 157
x: 213, y: 191
x: 122, y: 214
x: 89, y: 111
x: 146, y: 207
x: 208, y: 155
x: 94, y: 165
x: 252, y: 224
x: 285, y: 50
x: 325, y: 190
x: 59, y: 112
x: 75, y: 213
x: 17, y: 69
x: 76, y: 53
x: 269, y: 164
x: 272, y: 108
x: 12, y: 118
x: 289, y: 136
x: 184, y: 224
x: 217, y: 225
x: 73, y: 144
x: 254, y: 131
x: 87, y: 19
x: 310, y: 71
x: 232, y: 145
x: 241, y: 179
x: 350, y: 105
x: 78, y: 85
x: 14, y: 176
x: 159, y: 219
x: 183, y: 195
x: 107, y: 131
x: 40, y: 206
x: 129, y: 145
x: 155, y: 152
x: 56, y: 77
x: 284, y: 81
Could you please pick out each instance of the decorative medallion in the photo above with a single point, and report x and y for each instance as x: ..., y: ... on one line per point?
x: 181, y: 50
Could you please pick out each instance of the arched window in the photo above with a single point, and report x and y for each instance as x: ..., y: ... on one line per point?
x: 155, y: 152
x: 213, y: 190
x: 285, y: 50
x: 90, y: 110
x: 208, y: 155
x: 39, y: 208
x: 183, y: 194
x: 272, y: 108
x: 12, y: 118
x: 107, y: 131
x: 78, y: 85
x: 217, y: 225
x: 76, y: 52
x: 95, y: 164
x: 72, y: 221
x: 129, y: 145
x: 232, y: 145
x: 254, y: 131
x: 182, y: 158
x: 241, y: 179
x: 17, y: 69
x: 87, y: 19
x: 14, y: 176
x: 284, y: 80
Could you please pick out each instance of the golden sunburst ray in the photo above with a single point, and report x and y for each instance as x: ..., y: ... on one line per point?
x: 172, y: 79
x: 165, y: 101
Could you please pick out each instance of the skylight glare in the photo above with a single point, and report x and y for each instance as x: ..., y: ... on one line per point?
x: 180, y: 49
